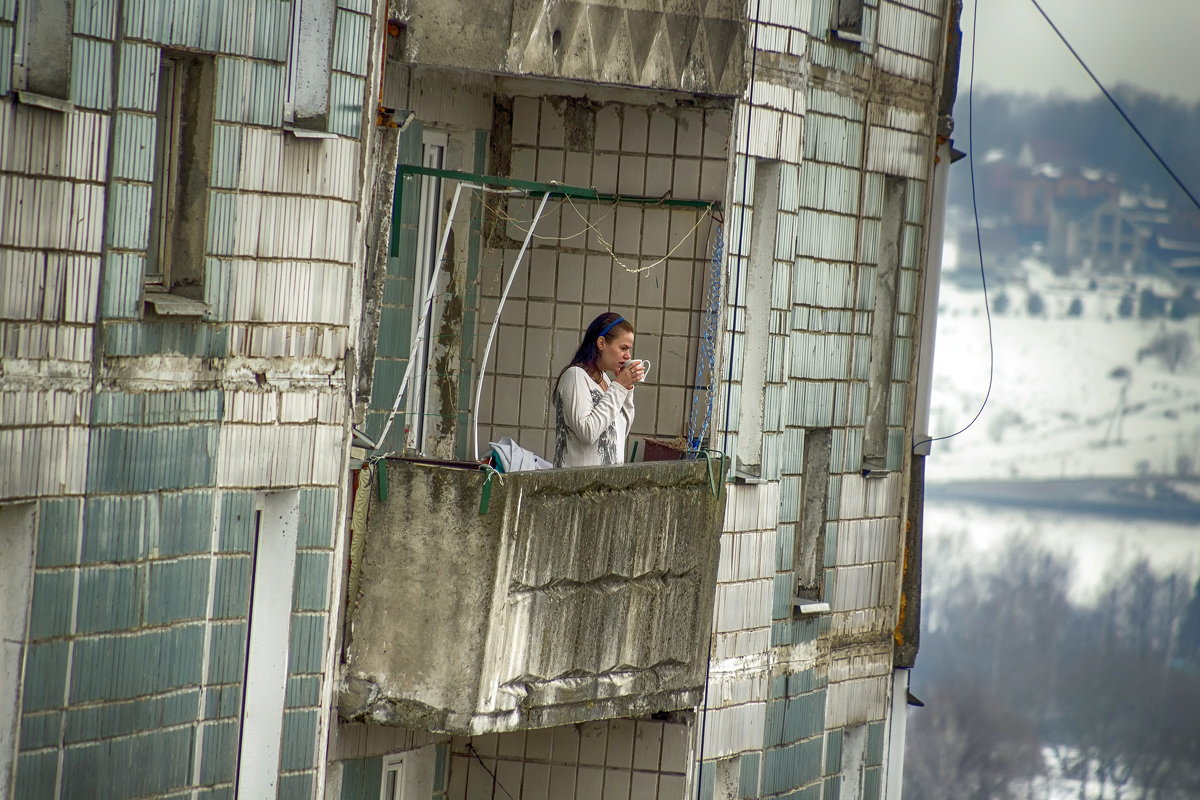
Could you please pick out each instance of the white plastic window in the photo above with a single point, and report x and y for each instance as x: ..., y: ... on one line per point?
x: 166, y: 174
x: 392, y: 785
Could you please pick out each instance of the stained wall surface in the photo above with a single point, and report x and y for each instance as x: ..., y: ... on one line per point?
x: 154, y: 447
x: 834, y: 139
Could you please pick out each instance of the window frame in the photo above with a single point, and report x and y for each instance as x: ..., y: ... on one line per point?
x: 392, y: 766
x: 846, y: 23
x: 43, y: 26
x: 306, y: 85
x: 184, y: 130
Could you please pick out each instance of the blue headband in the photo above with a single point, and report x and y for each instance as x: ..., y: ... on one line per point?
x: 609, y: 326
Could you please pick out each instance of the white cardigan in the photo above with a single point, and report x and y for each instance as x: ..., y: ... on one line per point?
x: 590, y: 425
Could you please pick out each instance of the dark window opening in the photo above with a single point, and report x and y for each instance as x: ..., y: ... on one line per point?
x: 183, y: 155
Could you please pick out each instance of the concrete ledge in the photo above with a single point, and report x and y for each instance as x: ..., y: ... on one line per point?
x: 556, y: 41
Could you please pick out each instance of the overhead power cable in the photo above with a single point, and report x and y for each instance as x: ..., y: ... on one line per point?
x: 978, y: 239
x: 1128, y: 120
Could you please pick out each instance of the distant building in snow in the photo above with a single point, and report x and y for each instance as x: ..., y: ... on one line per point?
x: 1078, y: 217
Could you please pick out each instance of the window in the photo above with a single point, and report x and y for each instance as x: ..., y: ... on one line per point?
x: 848, y: 20
x: 883, y: 325
x: 424, y: 385
x: 306, y: 100
x: 756, y: 340
x: 420, y: 773
x: 809, y: 548
x: 392, y: 785
x: 183, y: 154
x: 42, y: 50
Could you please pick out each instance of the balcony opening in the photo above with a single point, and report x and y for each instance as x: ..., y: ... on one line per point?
x: 492, y: 280
x: 560, y: 596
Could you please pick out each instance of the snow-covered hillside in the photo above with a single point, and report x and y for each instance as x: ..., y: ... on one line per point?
x: 1073, y: 395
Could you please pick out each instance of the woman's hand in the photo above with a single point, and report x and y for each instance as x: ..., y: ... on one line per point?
x: 630, y: 373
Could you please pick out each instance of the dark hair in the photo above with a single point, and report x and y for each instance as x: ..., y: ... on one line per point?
x: 610, y: 325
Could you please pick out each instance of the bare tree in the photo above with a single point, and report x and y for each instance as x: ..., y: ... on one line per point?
x: 1187, y: 638
x: 1110, y: 690
x: 966, y: 745
x: 1173, y: 348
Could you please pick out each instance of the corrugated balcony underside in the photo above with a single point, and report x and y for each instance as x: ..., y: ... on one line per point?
x: 578, y: 594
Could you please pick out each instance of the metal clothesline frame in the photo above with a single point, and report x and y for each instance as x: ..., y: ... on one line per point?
x: 536, y: 187
x: 486, y: 183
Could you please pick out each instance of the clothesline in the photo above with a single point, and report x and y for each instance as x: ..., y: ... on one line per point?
x: 605, y: 245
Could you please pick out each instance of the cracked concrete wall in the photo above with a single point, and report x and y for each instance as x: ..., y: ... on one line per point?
x: 579, y: 594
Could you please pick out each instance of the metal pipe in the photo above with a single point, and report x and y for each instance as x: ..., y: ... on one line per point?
x: 487, y: 350
x: 535, y: 188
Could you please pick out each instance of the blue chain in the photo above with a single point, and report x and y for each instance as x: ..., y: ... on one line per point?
x: 706, y: 364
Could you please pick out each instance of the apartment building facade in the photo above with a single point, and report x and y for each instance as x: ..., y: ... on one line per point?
x: 179, y: 256
x: 278, y: 273
x: 757, y: 187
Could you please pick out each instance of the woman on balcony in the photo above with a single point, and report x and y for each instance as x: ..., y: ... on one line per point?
x: 593, y: 414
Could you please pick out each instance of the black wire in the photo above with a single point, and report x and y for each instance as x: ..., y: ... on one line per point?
x: 978, y: 236
x: 1133, y: 126
x: 495, y: 781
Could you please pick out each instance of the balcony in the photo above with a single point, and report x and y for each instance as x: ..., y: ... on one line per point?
x: 549, y: 598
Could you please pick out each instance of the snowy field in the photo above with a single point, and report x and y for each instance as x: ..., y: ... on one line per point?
x: 1070, y: 396
x: 1070, y: 399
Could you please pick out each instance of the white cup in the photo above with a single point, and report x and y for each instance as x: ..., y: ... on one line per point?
x: 645, y: 366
